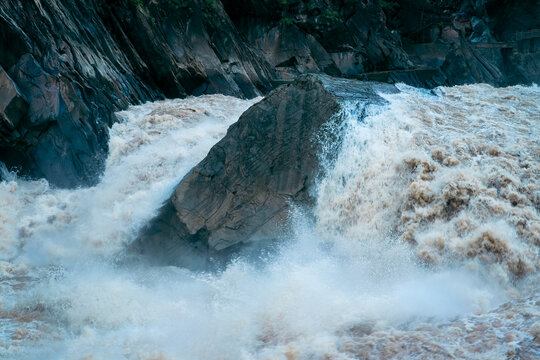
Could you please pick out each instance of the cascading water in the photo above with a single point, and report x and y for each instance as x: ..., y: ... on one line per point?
x: 424, y: 243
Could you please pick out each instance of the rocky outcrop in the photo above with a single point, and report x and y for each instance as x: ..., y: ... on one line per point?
x: 338, y: 38
x: 74, y: 63
x: 13, y: 108
x: 422, y: 43
x: 190, y: 47
x: 471, y: 41
x: 69, y: 70
x: 268, y: 161
x: 56, y: 137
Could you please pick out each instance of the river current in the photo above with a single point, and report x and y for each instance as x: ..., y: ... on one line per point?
x: 423, y: 244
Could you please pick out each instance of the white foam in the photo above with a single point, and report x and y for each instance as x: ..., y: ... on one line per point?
x: 377, y: 265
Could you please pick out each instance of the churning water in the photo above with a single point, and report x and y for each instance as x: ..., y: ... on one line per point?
x: 424, y: 243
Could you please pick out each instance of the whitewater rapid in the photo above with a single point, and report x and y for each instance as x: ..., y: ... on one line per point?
x: 423, y: 244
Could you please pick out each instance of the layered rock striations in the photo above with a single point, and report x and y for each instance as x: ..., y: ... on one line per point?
x: 268, y: 162
x: 334, y: 37
x: 66, y: 66
x: 75, y: 63
x: 489, y: 41
x: 423, y: 43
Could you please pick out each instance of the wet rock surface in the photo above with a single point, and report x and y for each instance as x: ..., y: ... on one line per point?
x: 76, y: 63
x: 421, y: 43
x: 268, y: 161
x: 337, y: 38
x: 69, y: 70
x: 484, y: 41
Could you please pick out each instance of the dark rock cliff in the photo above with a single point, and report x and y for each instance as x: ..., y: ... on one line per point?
x: 420, y: 42
x: 268, y: 161
x: 334, y: 37
x: 67, y: 65
x: 490, y: 41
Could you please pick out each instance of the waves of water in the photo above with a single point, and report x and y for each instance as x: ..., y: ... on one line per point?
x: 424, y: 243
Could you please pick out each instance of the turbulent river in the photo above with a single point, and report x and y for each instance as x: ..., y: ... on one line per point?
x: 423, y: 244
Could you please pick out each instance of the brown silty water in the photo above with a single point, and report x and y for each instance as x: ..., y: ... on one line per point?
x: 424, y: 243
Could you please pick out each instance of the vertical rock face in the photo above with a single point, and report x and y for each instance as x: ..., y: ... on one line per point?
x: 13, y: 109
x: 248, y: 182
x: 190, y: 47
x: 55, y: 127
x: 333, y: 37
x: 471, y: 41
x: 423, y: 43
x: 74, y: 63
x: 72, y: 74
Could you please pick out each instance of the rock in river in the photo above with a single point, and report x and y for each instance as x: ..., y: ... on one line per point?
x: 268, y: 161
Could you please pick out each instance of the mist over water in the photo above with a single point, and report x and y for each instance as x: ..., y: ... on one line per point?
x: 424, y: 243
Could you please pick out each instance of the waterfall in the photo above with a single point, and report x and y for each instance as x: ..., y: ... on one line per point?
x: 423, y: 243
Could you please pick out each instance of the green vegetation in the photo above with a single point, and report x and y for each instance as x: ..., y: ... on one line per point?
x: 332, y: 15
x: 286, y: 21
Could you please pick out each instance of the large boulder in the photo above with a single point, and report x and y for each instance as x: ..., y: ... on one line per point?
x: 268, y: 161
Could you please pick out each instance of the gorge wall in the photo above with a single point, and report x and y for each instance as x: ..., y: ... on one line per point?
x: 66, y: 66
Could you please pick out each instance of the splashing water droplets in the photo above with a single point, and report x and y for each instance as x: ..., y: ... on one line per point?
x: 423, y: 243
